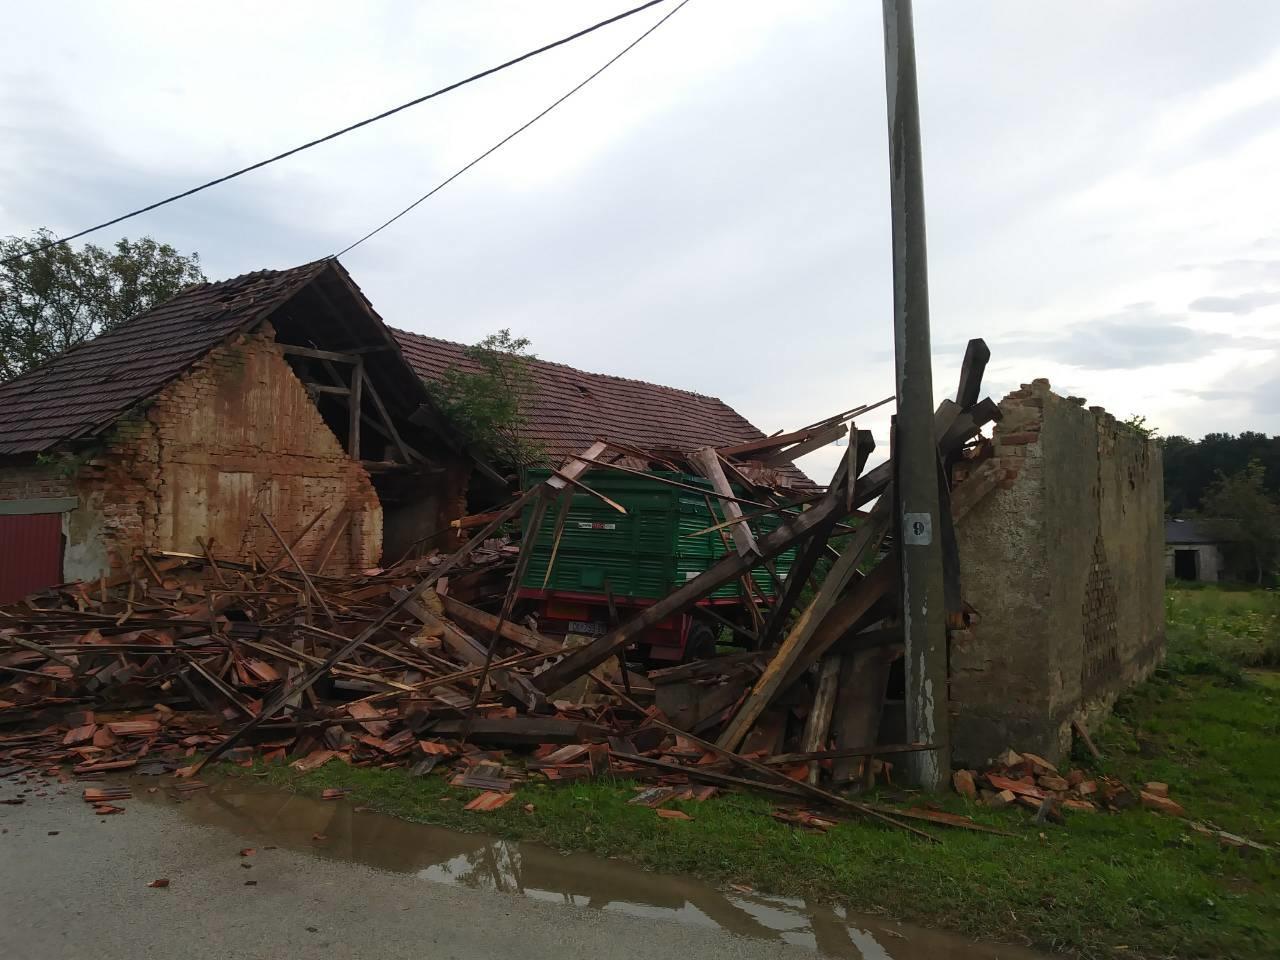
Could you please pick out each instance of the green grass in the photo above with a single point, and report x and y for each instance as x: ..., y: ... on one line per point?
x: 1218, y: 630
x: 1130, y: 885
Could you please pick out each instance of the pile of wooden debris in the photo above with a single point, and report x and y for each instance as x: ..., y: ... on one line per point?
x: 189, y: 659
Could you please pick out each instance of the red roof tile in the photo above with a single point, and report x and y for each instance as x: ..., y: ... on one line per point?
x: 571, y: 408
x: 89, y: 387
x: 86, y: 389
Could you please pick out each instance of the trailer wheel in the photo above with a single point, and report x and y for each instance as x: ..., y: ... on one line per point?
x: 701, y: 644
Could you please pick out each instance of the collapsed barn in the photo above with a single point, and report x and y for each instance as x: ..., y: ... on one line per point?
x: 580, y: 625
x: 277, y: 393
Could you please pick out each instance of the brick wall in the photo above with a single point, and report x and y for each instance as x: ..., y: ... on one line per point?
x: 36, y: 481
x: 1064, y: 564
x: 235, y: 436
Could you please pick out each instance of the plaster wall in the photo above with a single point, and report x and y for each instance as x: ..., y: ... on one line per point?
x: 1064, y: 564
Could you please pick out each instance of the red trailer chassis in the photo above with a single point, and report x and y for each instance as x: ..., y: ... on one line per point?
x: 688, y: 635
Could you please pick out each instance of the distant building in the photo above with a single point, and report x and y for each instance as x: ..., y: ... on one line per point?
x: 1200, y: 550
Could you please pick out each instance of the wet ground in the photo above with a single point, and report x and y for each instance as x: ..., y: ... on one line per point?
x: 326, y: 879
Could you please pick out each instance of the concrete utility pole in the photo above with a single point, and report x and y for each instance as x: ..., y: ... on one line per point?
x: 915, y: 453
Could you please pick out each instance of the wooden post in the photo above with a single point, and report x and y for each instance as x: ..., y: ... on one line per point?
x: 353, y: 410
x: 771, y: 681
x: 819, y: 720
x: 976, y: 356
x: 859, y: 704
x: 407, y: 453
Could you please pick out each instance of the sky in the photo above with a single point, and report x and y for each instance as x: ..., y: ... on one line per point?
x: 1102, y: 183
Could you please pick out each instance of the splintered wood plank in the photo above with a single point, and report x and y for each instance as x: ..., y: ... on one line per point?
x: 818, y: 722
x: 815, y: 442
x: 471, y: 651
x: 283, y: 696
x: 707, y: 463
x: 859, y: 705
x: 971, y: 491
x: 575, y: 467
x: 711, y: 776
x: 523, y: 730
x: 875, y: 750
x: 480, y: 620
x: 134, y: 728
x: 770, y: 684
x: 976, y: 356
x: 849, y: 611
x: 968, y: 423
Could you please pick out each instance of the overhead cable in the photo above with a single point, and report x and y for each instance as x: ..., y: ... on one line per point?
x: 514, y: 133
x: 337, y: 133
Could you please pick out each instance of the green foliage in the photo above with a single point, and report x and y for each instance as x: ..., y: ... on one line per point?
x: 1191, y: 466
x: 488, y: 399
x: 53, y: 300
x: 1217, y: 631
x: 1139, y: 423
x: 1248, y: 515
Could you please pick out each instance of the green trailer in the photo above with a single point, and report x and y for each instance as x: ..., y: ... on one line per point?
x: 639, y: 557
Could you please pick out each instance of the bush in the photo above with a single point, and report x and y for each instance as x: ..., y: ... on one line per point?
x: 1220, y: 632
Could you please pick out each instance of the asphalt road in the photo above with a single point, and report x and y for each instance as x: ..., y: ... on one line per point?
x: 83, y: 893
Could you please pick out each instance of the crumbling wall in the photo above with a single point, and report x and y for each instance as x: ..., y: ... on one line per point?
x: 236, y: 436
x: 1064, y: 565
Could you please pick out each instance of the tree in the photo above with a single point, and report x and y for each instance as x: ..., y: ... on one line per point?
x: 52, y: 300
x: 1139, y: 422
x: 1190, y: 467
x: 1247, y: 514
x: 489, y: 399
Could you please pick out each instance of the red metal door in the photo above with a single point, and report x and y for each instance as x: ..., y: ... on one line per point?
x: 30, y: 554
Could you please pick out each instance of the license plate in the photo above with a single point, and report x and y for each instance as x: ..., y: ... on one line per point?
x: 590, y: 628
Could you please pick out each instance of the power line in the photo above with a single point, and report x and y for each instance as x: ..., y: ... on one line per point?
x: 514, y: 133
x: 337, y: 133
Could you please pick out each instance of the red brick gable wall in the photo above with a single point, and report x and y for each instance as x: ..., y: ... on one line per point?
x: 234, y: 436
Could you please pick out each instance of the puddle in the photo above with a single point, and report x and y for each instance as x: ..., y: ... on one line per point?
x: 264, y: 815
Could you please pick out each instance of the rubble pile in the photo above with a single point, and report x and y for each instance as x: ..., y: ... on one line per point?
x: 189, y: 659
x: 1028, y: 780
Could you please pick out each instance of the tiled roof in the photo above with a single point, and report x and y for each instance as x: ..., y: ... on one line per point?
x: 1201, y: 531
x: 571, y: 408
x: 86, y: 389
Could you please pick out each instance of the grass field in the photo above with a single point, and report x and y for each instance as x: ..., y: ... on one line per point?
x: 1130, y: 885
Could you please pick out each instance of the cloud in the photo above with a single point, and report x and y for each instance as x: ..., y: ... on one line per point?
x: 713, y: 212
x: 1239, y: 305
x: 1213, y: 395
x: 1266, y: 398
x: 1138, y: 336
x: 1243, y: 271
